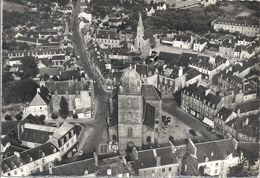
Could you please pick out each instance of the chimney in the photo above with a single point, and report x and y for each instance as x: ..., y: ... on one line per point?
x: 212, y: 153
x: 109, y: 172
x: 38, y: 90
x: 185, y: 167
x: 158, y: 161
x: 96, y: 158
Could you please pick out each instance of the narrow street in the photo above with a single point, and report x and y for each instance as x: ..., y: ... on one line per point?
x: 101, y: 97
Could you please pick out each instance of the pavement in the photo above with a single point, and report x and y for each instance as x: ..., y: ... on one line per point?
x: 172, y: 108
x: 102, y: 107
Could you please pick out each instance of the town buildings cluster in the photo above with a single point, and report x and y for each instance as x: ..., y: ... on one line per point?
x: 215, y: 78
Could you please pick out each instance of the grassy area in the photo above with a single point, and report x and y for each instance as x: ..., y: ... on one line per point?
x: 14, y: 7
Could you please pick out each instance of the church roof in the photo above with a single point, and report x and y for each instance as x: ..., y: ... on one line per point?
x: 149, y: 32
x: 149, y: 117
x: 150, y: 92
x: 37, y: 100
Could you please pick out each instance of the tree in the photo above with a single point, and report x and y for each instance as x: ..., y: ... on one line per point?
x: 54, y: 116
x: 8, y: 117
x: 171, y: 139
x: 42, y: 117
x: 75, y: 116
x: 64, y: 108
x: 29, y: 67
x: 114, y: 138
x: 18, y: 117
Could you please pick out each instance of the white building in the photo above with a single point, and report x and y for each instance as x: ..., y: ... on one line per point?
x: 179, y: 41
x: 199, y: 44
x: 65, y: 139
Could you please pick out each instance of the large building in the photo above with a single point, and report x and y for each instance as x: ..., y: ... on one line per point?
x: 244, y: 27
x: 135, y: 111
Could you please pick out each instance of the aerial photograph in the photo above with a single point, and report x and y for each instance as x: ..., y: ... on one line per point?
x: 130, y: 88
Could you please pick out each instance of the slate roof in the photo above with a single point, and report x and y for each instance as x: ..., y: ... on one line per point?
x: 77, y: 168
x: 114, y: 113
x: 105, y: 34
x: 191, y: 73
x: 146, y: 159
x: 149, y: 32
x: 235, y: 22
x: 35, y: 136
x: 35, y: 153
x: 215, y: 150
x: 167, y: 157
x: 58, y: 57
x: 182, y: 38
x: 168, y: 57
x: 150, y: 92
x: 49, y: 70
x: 225, y: 113
x: 149, y: 115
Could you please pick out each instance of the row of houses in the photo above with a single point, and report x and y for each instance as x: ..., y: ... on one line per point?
x: 32, y: 147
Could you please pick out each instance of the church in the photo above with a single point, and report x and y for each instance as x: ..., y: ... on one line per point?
x: 135, y: 112
x: 144, y: 38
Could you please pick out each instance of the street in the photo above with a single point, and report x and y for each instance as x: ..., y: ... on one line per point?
x: 102, y: 110
x: 172, y: 108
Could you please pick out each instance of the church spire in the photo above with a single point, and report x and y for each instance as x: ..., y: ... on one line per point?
x: 140, y: 27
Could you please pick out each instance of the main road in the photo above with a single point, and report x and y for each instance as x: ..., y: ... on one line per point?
x: 101, y: 97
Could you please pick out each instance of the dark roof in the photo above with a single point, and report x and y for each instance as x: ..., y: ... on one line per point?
x: 215, y: 150
x: 149, y: 32
x: 146, y: 159
x: 35, y: 153
x: 77, y: 168
x: 224, y: 113
x: 35, y: 136
x: 114, y: 113
x: 143, y: 69
x: 213, y: 99
x: 149, y: 115
x: 105, y: 34
x: 70, y: 75
x: 150, y: 92
x: 167, y: 157
x: 235, y: 22
x: 248, y: 106
x: 168, y: 57
x: 191, y: 73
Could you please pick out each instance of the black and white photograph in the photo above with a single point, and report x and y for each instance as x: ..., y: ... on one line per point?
x: 130, y: 88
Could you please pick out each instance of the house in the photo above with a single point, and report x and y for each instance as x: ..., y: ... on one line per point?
x: 213, y: 158
x: 50, y: 71
x: 199, y: 44
x: 209, y: 66
x: 208, y: 2
x: 199, y: 102
x: 246, y: 28
x: 179, y: 41
x: 31, y: 161
x: 41, y: 54
x: 244, y: 40
x: 158, y: 162
x: 150, y: 12
x: 223, y: 116
x: 65, y: 139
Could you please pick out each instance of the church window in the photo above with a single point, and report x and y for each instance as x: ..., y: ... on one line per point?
x: 129, y: 132
x: 129, y: 116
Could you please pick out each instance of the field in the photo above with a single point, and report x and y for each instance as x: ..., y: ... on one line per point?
x: 10, y: 6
